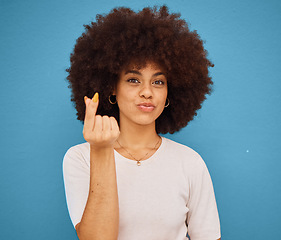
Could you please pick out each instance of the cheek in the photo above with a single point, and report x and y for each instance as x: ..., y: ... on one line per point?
x: 126, y: 100
x: 163, y: 95
x: 125, y: 95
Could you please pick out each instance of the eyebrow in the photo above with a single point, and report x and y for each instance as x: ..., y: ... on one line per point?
x: 138, y: 73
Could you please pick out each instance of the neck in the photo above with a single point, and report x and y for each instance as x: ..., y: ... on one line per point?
x: 138, y: 136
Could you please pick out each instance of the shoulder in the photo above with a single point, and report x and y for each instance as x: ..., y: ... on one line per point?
x: 178, y: 149
x: 190, y: 160
x: 77, y: 155
x: 79, y: 148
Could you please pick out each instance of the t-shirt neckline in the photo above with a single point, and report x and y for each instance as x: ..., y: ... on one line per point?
x: 120, y: 157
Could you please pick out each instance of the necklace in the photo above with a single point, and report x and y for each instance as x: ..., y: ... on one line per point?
x: 138, y: 160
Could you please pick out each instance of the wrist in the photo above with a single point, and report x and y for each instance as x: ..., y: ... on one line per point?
x: 100, y: 148
x: 101, y: 153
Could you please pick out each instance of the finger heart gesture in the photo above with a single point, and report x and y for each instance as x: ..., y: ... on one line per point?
x: 99, y: 131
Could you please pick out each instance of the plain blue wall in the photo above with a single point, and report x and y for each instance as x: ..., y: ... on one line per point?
x: 237, y: 131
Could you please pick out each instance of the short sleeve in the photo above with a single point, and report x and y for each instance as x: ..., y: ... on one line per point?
x: 202, y: 219
x: 76, y: 173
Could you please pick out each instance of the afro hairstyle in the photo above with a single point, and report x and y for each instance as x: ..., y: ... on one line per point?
x: 122, y: 37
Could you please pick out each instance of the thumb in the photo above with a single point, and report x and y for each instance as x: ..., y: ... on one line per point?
x: 91, y: 109
x: 92, y: 104
x: 95, y: 101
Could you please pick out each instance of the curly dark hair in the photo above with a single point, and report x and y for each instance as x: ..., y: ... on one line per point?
x: 123, y: 37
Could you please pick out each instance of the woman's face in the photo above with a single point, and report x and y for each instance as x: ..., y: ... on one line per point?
x: 141, y: 94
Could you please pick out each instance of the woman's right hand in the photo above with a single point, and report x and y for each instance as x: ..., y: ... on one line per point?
x: 99, y: 131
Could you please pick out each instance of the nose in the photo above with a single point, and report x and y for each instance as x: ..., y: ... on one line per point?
x: 146, y: 91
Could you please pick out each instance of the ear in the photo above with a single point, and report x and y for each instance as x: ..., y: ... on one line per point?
x: 114, y: 90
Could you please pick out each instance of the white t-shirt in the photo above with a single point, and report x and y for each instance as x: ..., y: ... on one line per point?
x: 156, y: 200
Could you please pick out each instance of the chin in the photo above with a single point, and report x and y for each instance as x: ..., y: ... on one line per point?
x: 145, y: 120
x: 138, y: 118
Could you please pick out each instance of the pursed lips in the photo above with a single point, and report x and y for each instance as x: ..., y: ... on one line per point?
x: 146, y: 107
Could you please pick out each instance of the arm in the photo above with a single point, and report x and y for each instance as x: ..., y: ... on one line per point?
x: 203, y: 219
x: 100, y: 219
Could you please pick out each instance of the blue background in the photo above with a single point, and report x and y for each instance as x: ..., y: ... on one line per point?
x: 237, y: 131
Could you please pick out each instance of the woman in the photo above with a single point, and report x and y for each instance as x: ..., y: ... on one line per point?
x: 149, y: 73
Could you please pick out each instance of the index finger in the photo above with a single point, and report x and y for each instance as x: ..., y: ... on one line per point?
x: 91, y: 110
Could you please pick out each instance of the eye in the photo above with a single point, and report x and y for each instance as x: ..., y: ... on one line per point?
x: 133, y: 80
x: 158, y: 82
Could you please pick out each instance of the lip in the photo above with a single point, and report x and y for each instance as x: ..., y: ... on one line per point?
x: 146, y: 107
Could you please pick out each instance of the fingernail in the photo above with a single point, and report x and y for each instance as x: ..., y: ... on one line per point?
x: 85, y: 98
x: 96, y: 97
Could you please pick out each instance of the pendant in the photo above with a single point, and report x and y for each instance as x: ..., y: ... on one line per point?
x: 138, y: 163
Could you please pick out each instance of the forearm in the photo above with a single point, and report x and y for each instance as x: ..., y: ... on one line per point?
x: 100, y: 219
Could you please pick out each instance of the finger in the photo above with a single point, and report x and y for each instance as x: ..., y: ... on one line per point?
x: 91, y: 109
x: 114, y: 126
x: 97, y: 128
x: 106, y: 124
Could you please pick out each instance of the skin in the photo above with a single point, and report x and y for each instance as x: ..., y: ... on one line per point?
x: 102, y: 208
x: 135, y: 89
x: 137, y: 126
x: 141, y: 95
